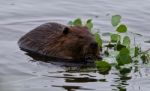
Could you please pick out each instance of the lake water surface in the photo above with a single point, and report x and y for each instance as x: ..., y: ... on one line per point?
x: 18, y: 72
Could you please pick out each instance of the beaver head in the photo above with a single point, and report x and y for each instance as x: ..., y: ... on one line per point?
x: 77, y: 42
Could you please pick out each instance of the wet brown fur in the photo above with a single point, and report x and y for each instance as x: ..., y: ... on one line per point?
x: 50, y: 40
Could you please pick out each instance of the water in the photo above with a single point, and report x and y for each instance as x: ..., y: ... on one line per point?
x: 19, y: 73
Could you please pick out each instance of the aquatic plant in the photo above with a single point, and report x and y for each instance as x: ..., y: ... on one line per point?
x: 120, y: 45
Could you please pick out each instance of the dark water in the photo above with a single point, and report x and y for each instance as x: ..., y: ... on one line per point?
x: 19, y: 73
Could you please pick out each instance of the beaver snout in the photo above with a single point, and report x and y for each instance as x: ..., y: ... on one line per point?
x: 94, y: 45
x: 92, y: 51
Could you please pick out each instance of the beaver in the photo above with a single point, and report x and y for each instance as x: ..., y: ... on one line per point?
x: 61, y: 41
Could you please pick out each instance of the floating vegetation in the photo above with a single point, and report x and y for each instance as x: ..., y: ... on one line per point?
x: 120, y: 43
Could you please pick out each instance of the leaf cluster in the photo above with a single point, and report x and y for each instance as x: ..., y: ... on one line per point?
x: 120, y: 42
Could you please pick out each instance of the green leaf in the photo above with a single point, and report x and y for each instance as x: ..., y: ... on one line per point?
x: 103, y: 67
x: 119, y: 47
x: 89, y: 21
x: 124, y: 51
x: 115, y: 20
x: 122, y: 28
x: 123, y: 59
x: 115, y: 37
x: 126, y: 41
x: 124, y: 71
x: 145, y: 58
x: 89, y: 24
x: 136, y: 51
x: 98, y: 40
x: 77, y: 22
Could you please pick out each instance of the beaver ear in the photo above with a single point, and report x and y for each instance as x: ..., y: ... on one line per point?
x: 66, y: 30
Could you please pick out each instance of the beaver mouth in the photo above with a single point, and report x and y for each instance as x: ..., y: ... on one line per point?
x: 92, y: 57
x: 91, y: 52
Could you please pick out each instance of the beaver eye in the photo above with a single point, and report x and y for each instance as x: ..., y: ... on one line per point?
x: 66, y: 30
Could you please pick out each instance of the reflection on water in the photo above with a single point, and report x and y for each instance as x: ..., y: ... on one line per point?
x: 121, y: 81
x: 20, y: 72
x: 73, y: 88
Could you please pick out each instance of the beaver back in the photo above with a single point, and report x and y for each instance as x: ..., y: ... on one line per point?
x: 39, y: 37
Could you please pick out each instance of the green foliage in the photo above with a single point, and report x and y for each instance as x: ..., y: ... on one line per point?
x: 119, y: 43
x: 115, y: 20
x: 103, y: 67
x: 126, y: 41
x: 77, y: 22
x: 124, y: 51
x: 122, y: 28
x: 89, y: 24
x: 145, y: 57
x: 98, y: 40
x: 119, y: 47
x: 115, y: 37
x: 125, y: 71
x: 123, y: 57
x: 136, y: 51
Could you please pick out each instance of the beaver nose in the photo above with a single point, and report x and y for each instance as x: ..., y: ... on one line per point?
x: 93, y: 45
